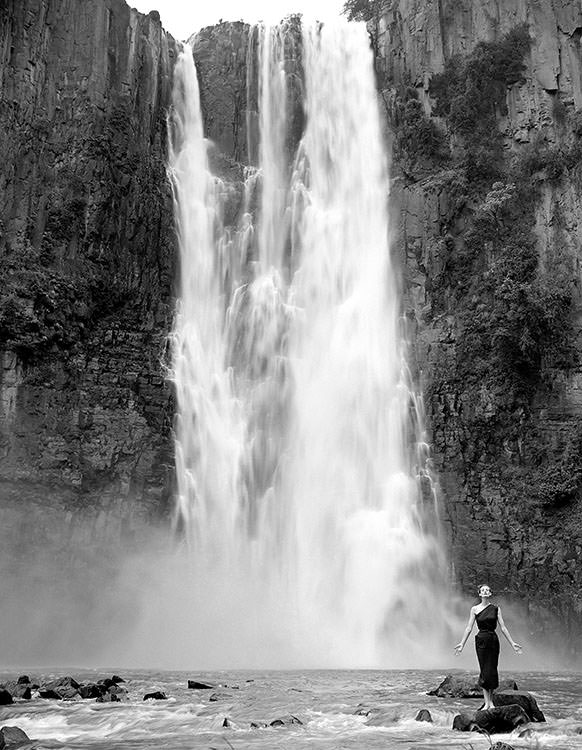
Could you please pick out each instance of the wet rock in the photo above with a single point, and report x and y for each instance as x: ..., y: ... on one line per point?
x: 195, y: 685
x: 91, y: 690
x: 107, y: 682
x: 157, y: 695
x: 284, y: 721
x: 24, y: 679
x: 116, y: 679
x: 13, y: 737
x: 423, y: 715
x: 258, y: 725
x: 521, y: 698
x: 108, y: 698
x: 219, y: 695
x: 501, y: 746
x: 493, y: 720
x: 5, y: 697
x: 19, y: 690
x: 64, y: 688
x: 119, y: 692
x: 49, y: 694
x: 227, y: 722
x: 465, y: 686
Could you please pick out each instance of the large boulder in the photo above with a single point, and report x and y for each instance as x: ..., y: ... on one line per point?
x: 156, y: 695
x: 521, y: 698
x: 91, y: 690
x: 5, y: 697
x: 195, y: 685
x: 63, y: 688
x: 493, y: 720
x: 423, y: 715
x: 13, y: 737
x: 21, y: 691
x: 465, y: 686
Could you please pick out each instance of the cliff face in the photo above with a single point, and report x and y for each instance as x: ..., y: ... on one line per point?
x: 485, y: 100
x: 86, y: 241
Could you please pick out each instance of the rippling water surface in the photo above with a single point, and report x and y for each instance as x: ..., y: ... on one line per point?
x: 326, y: 702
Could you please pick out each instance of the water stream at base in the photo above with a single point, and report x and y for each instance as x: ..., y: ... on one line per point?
x: 331, y: 706
x: 298, y: 439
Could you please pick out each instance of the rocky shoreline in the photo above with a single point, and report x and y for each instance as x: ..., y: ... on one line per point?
x: 516, y: 711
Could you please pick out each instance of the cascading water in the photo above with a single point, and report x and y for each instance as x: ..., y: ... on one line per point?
x: 297, y: 471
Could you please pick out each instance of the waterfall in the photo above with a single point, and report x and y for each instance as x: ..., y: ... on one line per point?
x: 299, y: 453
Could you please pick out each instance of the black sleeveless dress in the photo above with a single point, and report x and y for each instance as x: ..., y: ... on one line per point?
x: 487, y: 647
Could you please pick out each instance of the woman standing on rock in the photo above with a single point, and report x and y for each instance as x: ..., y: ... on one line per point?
x: 487, y: 615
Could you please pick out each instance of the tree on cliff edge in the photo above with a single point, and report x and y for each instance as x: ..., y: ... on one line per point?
x: 369, y: 11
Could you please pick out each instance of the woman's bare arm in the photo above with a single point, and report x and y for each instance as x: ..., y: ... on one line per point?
x: 467, y: 633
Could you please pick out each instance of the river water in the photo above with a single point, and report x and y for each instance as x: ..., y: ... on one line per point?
x: 326, y: 702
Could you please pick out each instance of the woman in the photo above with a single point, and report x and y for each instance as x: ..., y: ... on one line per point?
x: 487, y: 615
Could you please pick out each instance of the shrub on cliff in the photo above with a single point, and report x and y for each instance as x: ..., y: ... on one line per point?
x: 470, y: 92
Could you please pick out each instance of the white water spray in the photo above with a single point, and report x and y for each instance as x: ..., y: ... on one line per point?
x: 297, y: 470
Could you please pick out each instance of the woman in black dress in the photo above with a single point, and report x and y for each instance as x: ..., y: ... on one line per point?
x: 487, y: 615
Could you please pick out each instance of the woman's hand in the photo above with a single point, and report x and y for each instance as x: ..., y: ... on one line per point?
x: 516, y: 647
x: 459, y: 648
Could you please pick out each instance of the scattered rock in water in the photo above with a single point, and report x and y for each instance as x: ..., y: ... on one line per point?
x: 521, y: 698
x: 493, y: 720
x: 423, y: 715
x: 107, y: 683
x: 219, y: 695
x: 19, y: 690
x: 108, y: 698
x: 5, y: 697
x: 258, y: 725
x: 465, y: 686
x: 13, y: 737
x: 157, y: 695
x: 119, y: 692
x: 284, y: 721
x: 64, y: 688
x: 91, y: 690
x: 195, y: 685
x: 501, y: 746
x: 227, y: 722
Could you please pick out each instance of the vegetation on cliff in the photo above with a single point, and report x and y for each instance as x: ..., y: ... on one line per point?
x: 513, y: 337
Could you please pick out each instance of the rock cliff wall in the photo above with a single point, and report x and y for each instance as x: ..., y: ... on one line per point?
x: 87, y: 248
x: 487, y: 198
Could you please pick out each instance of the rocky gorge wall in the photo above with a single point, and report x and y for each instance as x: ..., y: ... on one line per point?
x: 485, y: 103
x: 87, y: 252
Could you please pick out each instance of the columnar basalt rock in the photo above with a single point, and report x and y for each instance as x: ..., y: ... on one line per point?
x: 506, y: 463
x: 87, y: 245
